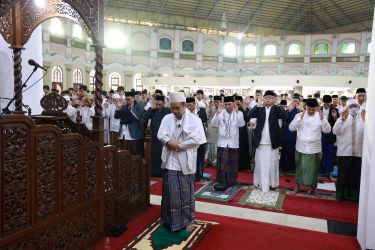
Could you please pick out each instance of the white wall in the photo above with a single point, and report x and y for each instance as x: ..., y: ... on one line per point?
x: 33, y: 50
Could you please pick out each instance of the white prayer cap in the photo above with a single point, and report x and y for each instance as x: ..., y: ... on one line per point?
x: 67, y: 98
x: 352, y: 102
x: 177, y: 97
x: 116, y: 96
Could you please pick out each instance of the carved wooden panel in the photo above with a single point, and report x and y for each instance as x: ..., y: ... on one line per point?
x: 91, y: 174
x: 72, y: 233
x: 70, y: 173
x: 46, y: 179
x: 14, y: 178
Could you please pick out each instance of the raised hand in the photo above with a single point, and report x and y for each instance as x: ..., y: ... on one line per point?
x: 303, y: 114
x: 220, y: 108
x: 119, y: 103
x: 345, y: 114
x: 363, y: 114
x: 321, y: 114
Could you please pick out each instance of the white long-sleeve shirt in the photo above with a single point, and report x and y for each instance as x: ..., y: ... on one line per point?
x: 114, y: 124
x: 86, y: 113
x: 71, y: 112
x: 349, y: 134
x: 309, y: 132
x: 229, y: 126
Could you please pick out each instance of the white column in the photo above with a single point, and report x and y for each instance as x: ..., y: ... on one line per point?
x: 307, y: 48
x: 33, y: 50
x: 363, y: 49
x: 259, y: 52
x: 334, y: 49
x: 221, y: 54
x: 154, y: 45
x: 282, y: 50
x: 199, y: 62
x: 366, y: 218
x: 128, y: 45
x: 177, y: 47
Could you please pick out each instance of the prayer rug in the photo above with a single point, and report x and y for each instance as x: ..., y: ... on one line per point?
x: 208, y: 192
x: 255, y: 197
x: 158, y: 237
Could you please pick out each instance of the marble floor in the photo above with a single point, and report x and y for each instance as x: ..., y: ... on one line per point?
x: 288, y: 220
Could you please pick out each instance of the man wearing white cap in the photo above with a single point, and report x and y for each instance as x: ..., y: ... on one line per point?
x: 349, y: 130
x: 181, y: 133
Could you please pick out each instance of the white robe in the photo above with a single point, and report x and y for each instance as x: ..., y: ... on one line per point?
x: 190, y: 135
x: 266, y: 172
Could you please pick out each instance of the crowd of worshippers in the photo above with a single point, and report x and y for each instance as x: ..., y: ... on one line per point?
x: 264, y: 133
x: 270, y: 133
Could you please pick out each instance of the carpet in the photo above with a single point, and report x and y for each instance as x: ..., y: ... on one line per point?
x: 255, y: 197
x: 158, y: 237
x: 208, y: 192
x: 239, y: 234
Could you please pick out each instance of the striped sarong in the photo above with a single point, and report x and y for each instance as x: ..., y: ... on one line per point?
x: 177, y: 204
x: 227, y: 165
x: 211, y: 154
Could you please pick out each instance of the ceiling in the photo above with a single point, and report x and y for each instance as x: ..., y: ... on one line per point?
x: 250, y: 16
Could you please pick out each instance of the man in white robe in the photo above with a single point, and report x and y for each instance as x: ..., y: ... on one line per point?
x: 349, y: 130
x: 267, y: 140
x: 310, y: 124
x: 181, y: 133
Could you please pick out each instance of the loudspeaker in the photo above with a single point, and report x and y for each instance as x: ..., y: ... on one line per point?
x: 350, y: 81
x: 297, y: 81
x: 195, y: 81
x: 252, y: 81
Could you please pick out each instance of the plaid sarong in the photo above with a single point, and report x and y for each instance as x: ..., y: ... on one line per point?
x: 211, y: 154
x: 177, y: 204
x: 227, y: 165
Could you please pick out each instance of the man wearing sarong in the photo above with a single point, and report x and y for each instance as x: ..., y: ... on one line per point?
x: 287, y: 161
x: 328, y: 140
x: 310, y: 124
x: 131, y: 134
x: 244, y: 159
x: 267, y: 140
x: 181, y: 134
x: 156, y: 114
x: 212, y: 132
x: 229, y: 121
x: 349, y: 130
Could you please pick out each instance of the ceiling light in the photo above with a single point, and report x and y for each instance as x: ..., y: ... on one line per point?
x: 40, y: 3
x: 239, y: 36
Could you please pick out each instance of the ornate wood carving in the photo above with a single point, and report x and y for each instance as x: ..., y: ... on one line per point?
x: 17, y: 67
x: 46, y: 175
x: 53, y: 104
x: 98, y: 80
x: 70, y: 174
x: 15, y: 178
x: 91, y: 174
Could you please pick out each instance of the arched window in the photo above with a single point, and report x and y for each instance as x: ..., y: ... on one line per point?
x: 57, y: 74
x: 369, y: 48
x: 114, y: 80
x: 165, y: 44
x: 56, y: 26
x: 230, y: 50
x: 250, y: 50
x: 92, y: 80
x: 270, y: 50
x: 77, y: 77
x: 115, y: 39
x: 347, y: 48
x: 321, y: 49
x: 294, y: 49
x: 138, y: 81
x: 77, y: 31
x: 187, y: 46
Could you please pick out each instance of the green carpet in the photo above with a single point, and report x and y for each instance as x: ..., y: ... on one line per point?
x: 158, y: 237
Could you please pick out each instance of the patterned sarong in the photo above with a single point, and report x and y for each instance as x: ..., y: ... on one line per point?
x: 227, y: 165
x: 211, y: 154
x: 307, y: 166
x: 177, y: 204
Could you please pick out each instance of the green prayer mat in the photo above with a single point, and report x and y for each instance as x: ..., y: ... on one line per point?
x: 208, y: 192
x: 256, y: 198
x: 158, y: 237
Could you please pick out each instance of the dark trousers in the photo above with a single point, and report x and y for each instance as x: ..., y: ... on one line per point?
x: 200, y: 162
x: 348, y: 178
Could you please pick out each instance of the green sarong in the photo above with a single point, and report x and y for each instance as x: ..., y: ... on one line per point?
x: 307, y: 166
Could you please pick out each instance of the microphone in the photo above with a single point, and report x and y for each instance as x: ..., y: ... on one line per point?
x: 36, y: 65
